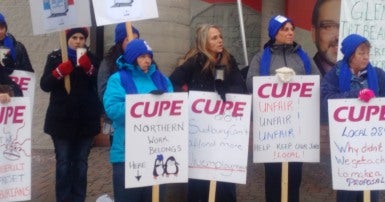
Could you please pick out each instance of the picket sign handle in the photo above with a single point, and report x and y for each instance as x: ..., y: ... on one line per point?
x: 64, y: 58
x: 155, y: 193
x: 130, y: 35
x: 213, y: 188
x: 366, y: 195
x: 284, y: 181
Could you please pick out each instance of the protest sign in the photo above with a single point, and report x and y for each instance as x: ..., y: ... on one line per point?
x: 286, y: 119
x: 15, y: 150
x: 112, y: 12
x: 56, y: 15
x: 218, y: 136
x: 366, y: 18
x: 357, y: 132
x: 156, y: 139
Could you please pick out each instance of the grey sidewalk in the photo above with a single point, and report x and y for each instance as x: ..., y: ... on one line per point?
x: 316, y: 183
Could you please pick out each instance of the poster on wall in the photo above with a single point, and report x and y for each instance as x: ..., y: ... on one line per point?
x: 219, y: 136
x: 357, y: 143
x: 15, y: 150
x: 116, y: 11
x: 366, y: 18
x: 156, y: 139
x: 286, y: 119
x: 56, y: 15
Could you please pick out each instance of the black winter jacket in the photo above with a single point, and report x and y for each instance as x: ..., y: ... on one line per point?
x: 75, y: 114
x: 190, y: 74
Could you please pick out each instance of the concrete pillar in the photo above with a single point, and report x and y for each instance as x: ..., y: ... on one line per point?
x: 270, y: 8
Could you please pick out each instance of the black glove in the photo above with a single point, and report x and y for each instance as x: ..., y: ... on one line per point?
x: 157, y: 92
x: 8, y: 61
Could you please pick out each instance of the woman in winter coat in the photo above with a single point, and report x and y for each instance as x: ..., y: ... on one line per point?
x: 209, y: 67
x: 72, y: 119
x: 352, y: 77
x: 280, y: 51
x: 137, y: 75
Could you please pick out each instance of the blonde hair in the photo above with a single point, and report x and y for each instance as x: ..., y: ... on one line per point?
x: 201, y: 44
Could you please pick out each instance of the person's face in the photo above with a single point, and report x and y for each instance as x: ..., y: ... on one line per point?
x: 325, y: 33
x: 285, y: 34
x: 215, y: 42
x: 3, y: 31
x: 360, y: 58
x: 126, y: 40
x: 144, y: 62
x: 77, y: 40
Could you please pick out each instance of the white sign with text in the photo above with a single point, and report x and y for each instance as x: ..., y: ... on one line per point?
x: 286, y: 119
x: 218, y: 136
x: 15, y: 150
x: 156, y: 139
x: 357, y: 132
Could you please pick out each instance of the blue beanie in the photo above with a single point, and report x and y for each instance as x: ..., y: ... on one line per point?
x: 275, y: 23
x: 2, y: 20
x: 121, y: 32
x: 134, y: 49
x: 350, y: 44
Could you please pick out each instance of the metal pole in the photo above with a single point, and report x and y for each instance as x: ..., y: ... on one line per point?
x: 240, y: 13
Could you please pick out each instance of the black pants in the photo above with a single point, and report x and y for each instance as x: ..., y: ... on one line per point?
x: 198, y: 191
x: 356, y: 196
x: 273, y: 174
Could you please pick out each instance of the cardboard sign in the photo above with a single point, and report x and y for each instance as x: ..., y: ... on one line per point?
x: 116, y: 11
x: 57, y: 15
x: 156, y: 139
x: 286, y: 119
x: 357, y: 134
x: 15, y: 150
x: 219, y: 136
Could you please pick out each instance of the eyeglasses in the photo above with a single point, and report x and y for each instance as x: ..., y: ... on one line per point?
x: 328, y: 25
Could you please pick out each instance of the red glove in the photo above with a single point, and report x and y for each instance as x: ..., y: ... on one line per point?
x: 62, y: 70
x: 86, y: 65
x: 366, y: 94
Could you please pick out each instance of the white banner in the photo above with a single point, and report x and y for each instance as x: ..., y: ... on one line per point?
x: 286, y: 119
x: 366, y: 18
x: 156, y: 139
x: 116, y: 11
x: 57, y: 15
x: 357, y: 132
x: 219, y: 136
x: 15, y: 150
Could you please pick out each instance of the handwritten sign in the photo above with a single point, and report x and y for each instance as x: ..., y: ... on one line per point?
x: 15, y: 150
x: 286, y: 119
x: 357, y: 133
x: 156, y: 139
x: 112, y: 12
x: 51, y: 16
x: 218, y: 136
x: 366, y: 18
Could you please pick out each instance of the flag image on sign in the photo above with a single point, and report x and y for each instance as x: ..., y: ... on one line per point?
x: 122, y: 3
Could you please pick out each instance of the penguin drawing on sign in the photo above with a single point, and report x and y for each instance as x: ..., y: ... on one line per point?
x: 158, y: 166
x: 171, y: 166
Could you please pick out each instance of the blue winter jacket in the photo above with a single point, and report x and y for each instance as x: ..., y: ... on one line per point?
x: 330, y: 87
x: 114, y: 103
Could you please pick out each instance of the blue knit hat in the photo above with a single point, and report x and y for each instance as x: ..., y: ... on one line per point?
x: 121, y: 32
x: 134, y: 49
x: 2, y: 21
x: 275, y: 23
x: 350, y: 44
